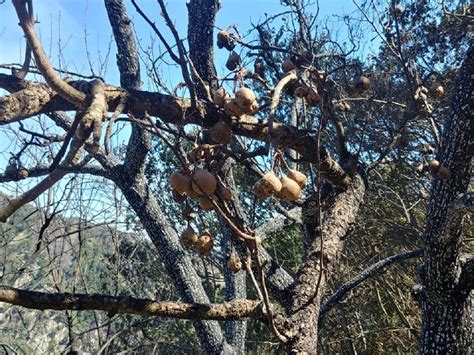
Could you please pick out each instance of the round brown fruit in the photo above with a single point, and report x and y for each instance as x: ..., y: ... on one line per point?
x: 437, y: 90
x: 205, y: 203
x: 233, y: 109
x: 270, y: 183
x: 233, y: 61
x: 180, y: 182
x: 434, y: 165
x: 259, y: 191
x: 225, y: 39
x: 290, y: 190
x: 245, y: 97
x: 23, y: 173
x: 225, y: 193
x: 220, y: 97
x: 189, y: 237
x: 11, y: 171
x: 203, y: 182
x: 233, y: 263
x: 204, y: 243
x: 288, y: 65
x: 221, y: 132
x: 298, y: 177
x: 363, y: 83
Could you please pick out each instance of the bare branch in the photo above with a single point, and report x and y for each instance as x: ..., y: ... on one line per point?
x: 89, y: 123
x: 60, y: 86
x: 235, y: 309
x: 372, y: 270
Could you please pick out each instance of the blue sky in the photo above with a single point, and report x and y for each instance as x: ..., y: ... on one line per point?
x: 64, y: 24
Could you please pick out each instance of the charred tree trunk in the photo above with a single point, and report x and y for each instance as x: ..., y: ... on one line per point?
x: 446, y: 296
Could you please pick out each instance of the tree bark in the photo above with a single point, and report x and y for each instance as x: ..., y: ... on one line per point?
x: 446, y: 303
x: 310, y: 284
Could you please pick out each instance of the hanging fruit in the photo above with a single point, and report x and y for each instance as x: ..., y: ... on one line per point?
x: 225, y: 40
x: 437, y: 90
x: 245, y: 97
x: 298, y: 177
x: 220, y: 97
x: 221, y: 132
x: 270, y: 183
x: 290, y: 190
x: 233, y: 61
x: 362, y: 83
x: 204, y: 243
x: 205, y: 203
x: 234, y: 263
x: 203, y: 182
x: 189, y: 237
x: 180, y: 182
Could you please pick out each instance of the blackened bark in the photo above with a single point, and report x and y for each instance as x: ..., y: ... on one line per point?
x: 129, y: 67
x: 177, y: 262
x: 127, y: 56
x: 447, y: 306
x: 201, y: 19
x: 236, y: 288
x: 236, y: 284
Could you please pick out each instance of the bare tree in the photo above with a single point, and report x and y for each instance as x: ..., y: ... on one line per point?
x: 349, y: 121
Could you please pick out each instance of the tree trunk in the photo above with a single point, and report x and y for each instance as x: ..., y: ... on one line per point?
x: 447, y: 326
x: 446, y: 298
x: 310, y: 284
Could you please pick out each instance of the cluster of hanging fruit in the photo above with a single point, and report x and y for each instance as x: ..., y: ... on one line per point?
x: 437, y: 170
x: 287, y: 187
x: 227, y: 40
x: 200, y: 184
x: 203, y: 243
x: 244, y: 102
x: 310, y: 94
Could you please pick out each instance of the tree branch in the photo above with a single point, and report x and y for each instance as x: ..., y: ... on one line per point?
x: 90, y: 122
x: 72, y: 95
x: 30, y: 102
x: 236, y: 309
x: 362, y: 276
x: 278, y: 223
x: 201, y: 19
